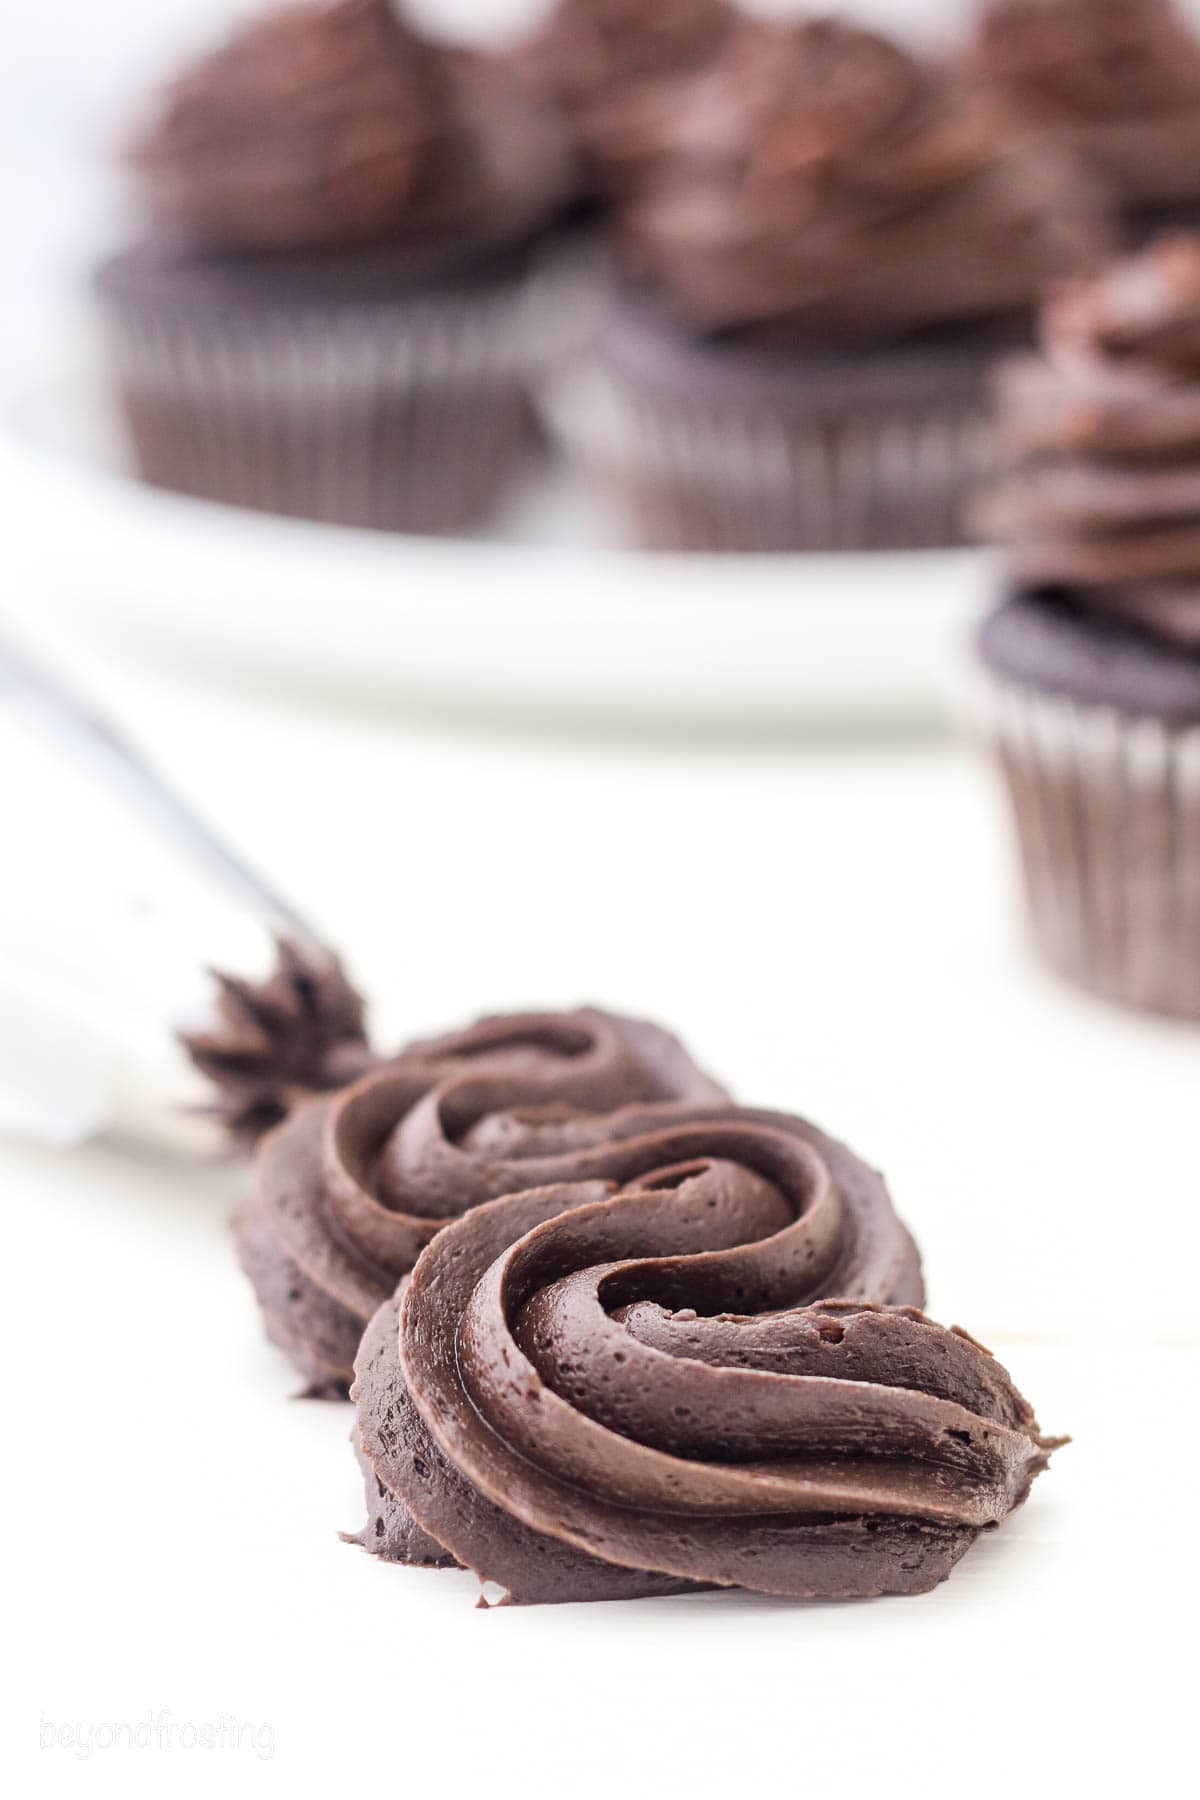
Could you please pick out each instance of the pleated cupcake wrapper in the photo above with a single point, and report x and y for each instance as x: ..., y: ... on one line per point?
x: 411, y: 414
x: 1107, y: 810
x: 705, y: 474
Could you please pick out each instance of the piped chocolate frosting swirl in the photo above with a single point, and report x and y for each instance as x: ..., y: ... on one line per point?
x: 334, y: 124
x: 1115, y: 81
x: 1101, y: 433
x: 350, y: 1190
x: 819, y: 184
x: 629, y: 1384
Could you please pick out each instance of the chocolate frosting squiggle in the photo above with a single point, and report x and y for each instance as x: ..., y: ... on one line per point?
x: 819, y: 184
x: 1102, y: 435
x: 350, y: 1190
x: 327, y: 125
x: 626, y: 1385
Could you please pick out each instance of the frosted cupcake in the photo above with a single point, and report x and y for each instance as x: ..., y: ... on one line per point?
x: 333, y: 316
x: 1093, y: 661
x: 596, y: 59
x: 825, y: 241
x: 1116, y: 82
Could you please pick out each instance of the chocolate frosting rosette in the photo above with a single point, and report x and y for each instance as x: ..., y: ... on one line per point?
x: 330, y: 314
x: 1117, y: 82
x: 628, y: 1383
x: 826, y: 239
x: 1095, y: 656
x: 350, y: 1189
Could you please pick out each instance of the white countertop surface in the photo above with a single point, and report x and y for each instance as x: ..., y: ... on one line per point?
x: 831, y: 929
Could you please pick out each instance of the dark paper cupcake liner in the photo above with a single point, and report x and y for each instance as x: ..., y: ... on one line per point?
x: 408, y: 414
x: 704, y: 472
x: 1107, y: 813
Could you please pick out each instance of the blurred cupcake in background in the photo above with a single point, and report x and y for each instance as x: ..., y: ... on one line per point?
x: 333, y: 315
x: 1092, y: 663
x: 1115, y: 81
x: 593, y: 59
x: 825, y: 241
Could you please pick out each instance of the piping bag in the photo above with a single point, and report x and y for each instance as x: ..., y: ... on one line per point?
x: 114, y: 897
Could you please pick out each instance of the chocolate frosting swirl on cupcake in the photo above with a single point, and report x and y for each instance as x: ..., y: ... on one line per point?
x: 821, y: 185
x: 1116, y: 80
x: 590, y: 50
x: 1102, y: 436
x: 593, y: 56
x: 331, y: 125
x: 350, y: 1190
x: 628, y: 1385
x: 273, y: 1043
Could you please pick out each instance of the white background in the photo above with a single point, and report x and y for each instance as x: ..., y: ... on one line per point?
x: 834, y: 930
x: 831, y: 931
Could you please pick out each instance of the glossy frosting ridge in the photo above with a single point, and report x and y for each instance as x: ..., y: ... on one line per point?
x: 633, y: 1384
x: 349, y: 1190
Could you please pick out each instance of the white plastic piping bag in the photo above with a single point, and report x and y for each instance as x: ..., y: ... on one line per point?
x: 114, y: 898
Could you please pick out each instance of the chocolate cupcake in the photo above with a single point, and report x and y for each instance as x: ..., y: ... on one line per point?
x: 1093, y: 661
x: 335, y: 316
x: 627, y: 1384
x: 350, y: 1188
x: 1116, y: 82
x: 826, y: 243
x: 596, y: 59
